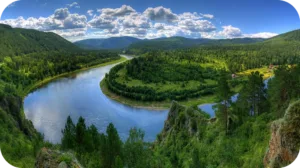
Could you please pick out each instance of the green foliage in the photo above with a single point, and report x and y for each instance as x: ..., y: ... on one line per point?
x: 68, y: 135
x: 95, y: 149
x: 172, y: 43
x: 162, y: 76
x: 195, y: 159
x: 137, y: 153
x: 224, y: 94
x: 80, y: 135
x: 245, y: 146
x: 284, y: 88
x: 189, y: 138
x: 26, y: 58
x: 65, y: 158
x: 118, y: 163
x: 113, y: 147
x: 252, y: 99
x: 19, y: 141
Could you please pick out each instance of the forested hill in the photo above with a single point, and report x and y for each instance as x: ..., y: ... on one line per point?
x: 181, y: 42
x: 27, y: 58
x: 289, y: 36
x: 15, y: 41
x: 110, y: 43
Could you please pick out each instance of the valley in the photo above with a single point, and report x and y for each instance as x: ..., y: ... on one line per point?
x: 78, y: 94
x: 148, y: 111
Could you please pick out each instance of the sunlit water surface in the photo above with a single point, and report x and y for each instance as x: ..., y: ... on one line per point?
x: 49, y: 107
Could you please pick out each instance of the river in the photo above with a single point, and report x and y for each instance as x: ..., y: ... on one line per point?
x: 48, y: 107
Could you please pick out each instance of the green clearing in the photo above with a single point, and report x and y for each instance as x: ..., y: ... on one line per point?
x: 158, y: 105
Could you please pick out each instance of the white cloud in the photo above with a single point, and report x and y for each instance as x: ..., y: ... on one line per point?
x: 73, y: 5
x: 101, y: 22
x: 70, y: 33
x: 188, y: 15
x: 90, y: 12
x: 231, y: 32
x: 123, y: 10
x: 161, y: 14
x: 208, y: 16
x: 75, y: 21
x: 159, y: 26
x: 126, y: 21
x: 61, y: 13
x: 234, y: 32
x: 134, y: 20
x: 261, y: 35
x: 197, y: 25
x: 209, y: 35
x: 61, y: 19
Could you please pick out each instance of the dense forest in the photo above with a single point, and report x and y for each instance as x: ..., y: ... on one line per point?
x: 15, y: 42
x: 188, y: 73
x: 26, y: 58
x: 172, y: 43
x: 159, y: 76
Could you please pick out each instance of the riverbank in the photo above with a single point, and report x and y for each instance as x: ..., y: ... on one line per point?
x: 35, y: 86
x: 164, y: 105
x: 153, y: 105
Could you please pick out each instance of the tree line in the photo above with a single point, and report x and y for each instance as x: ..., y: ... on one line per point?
x: 106, y: 150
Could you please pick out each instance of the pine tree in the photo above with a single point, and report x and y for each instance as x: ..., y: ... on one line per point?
x: 80, y: 134
x: 68, y: 139
x: 112, y: 147
x: 252, y: 99
x: 224, y: 94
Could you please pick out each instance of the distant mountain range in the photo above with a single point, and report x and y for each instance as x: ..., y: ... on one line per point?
x: 181, y: 42
x: 16, y: 41
x: 160, y: 43
x: 109, y: 43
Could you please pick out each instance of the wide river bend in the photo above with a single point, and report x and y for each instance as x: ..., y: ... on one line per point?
x: 49, y: 106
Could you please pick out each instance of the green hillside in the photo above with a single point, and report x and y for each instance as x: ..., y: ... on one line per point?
x: 15, y: 41
x: 289, y: 36
x: 28, y: 58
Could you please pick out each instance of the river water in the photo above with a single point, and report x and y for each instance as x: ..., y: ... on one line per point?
x: 48, y: 107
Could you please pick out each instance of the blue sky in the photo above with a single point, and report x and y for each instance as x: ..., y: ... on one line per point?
x: 155, y: 18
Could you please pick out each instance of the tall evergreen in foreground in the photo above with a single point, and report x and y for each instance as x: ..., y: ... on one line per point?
x: 224, y: 94
x: 112, y: 148
x: 252, y: 99
x: 67, y: 141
